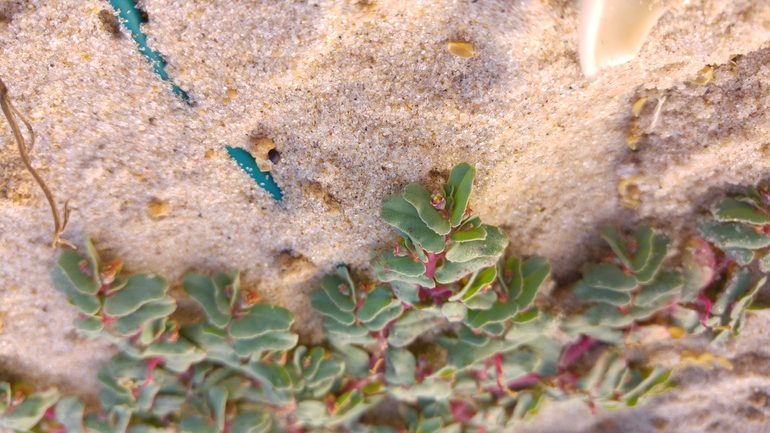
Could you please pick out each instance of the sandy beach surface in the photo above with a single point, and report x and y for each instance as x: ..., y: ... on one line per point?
x: 360, y: 99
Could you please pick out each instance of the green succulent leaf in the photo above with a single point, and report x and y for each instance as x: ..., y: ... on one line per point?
x: 139, y: 290
x: 328, y: 371
x: 591, y: 294
x: 605, y: 314
x: 492, y: 246
x: 69, y: 413
x: 733, y: 235
x: 80, y: 271
x: 376, y: 302
x: 454, y: 311
x: 461, y: 179
x: 471, y: 348
x: 742, y: 256
x: 526, y: 331
x: 742, y: 211
x: 650, y: 252
x: 667, y: 284
x: 479, y: 281
x: 179, y: 347
x: 204, y: 291
x: 399, y: 213
x: 132, y: 323
x: 312, y: 412
x: 735, y: 287
x: 618, y: 247
x: 400, y: 366
x: 270, y: 341
x: 481, y: 300
x: 30, y: 411
x: 217, y: 398
x: 322, y: 302
x: 356, y: 361
x: 270, y: 373
x: 471, y: 234
x: 388, y: 315
x: 420, y: 198
x: 608, y: 276
x: 592, y: 381
x: 88, y: 324
x: 261, y: 319
x: 401, y: 265
x: 531, y: 277
x: 340, y: 334
x: 413, y: 323
x: 337, y: 289
x: 196, y: 424
x: 406, y: 292
x: 87, y: 304
x: 450, y: 272
x: 251, y: 422
x: 391, y: 276
x: 654, y: 381
x: 432, y: 389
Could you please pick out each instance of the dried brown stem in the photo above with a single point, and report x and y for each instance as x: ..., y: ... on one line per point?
x: 9, y: 111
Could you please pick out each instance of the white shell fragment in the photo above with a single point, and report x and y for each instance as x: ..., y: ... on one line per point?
x: 611, y: 32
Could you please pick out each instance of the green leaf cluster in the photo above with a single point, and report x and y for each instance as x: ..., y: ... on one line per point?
x: 442, y: 241
x: 452, y: 334
x: 628, y: 288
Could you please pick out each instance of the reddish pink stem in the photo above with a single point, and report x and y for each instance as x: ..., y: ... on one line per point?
x: 573, y: 352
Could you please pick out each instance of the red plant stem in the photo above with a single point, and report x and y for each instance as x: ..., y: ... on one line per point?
x: 707, y: 305
x: 430, y: 267
x: 573, y: 352
x: 524, y: 382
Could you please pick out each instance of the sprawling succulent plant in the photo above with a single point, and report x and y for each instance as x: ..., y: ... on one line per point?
x: 450, y: 335
x: 627, y: 289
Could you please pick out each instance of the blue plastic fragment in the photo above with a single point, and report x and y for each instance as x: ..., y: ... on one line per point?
x: 130, y: 17
x: 249, y: 165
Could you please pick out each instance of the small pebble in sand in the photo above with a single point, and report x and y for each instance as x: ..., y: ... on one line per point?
x: 158, y: 208
x: 274, y: 156
x: 705, y: 76
x: 463, y: 50
x: 636, y: 109
x: 629, y: 193
x: 231, y: 93
x: 260, y: 150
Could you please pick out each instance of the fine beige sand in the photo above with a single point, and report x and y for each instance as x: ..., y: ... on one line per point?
x: 362, y: 98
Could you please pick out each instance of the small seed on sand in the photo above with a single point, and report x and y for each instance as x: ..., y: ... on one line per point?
x: 636, y: 109
x: 705, y: 76
x: 463, y: 50
x: 158, y: 208
x: 231, y: 93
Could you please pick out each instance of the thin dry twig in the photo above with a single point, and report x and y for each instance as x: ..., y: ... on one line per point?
x: 9, y: 110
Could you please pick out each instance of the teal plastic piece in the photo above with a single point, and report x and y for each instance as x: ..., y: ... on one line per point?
x: 130, y: 17
x: 249, y: 165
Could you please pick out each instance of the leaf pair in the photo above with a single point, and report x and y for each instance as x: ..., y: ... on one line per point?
x: 253, y: 329
x: 738, y: 226
x: 314, y: 372
x: 347, y: 321
x: 414, y: 214
x: 611, y: 381
x: 23, y: 414
x: 636, y: 284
